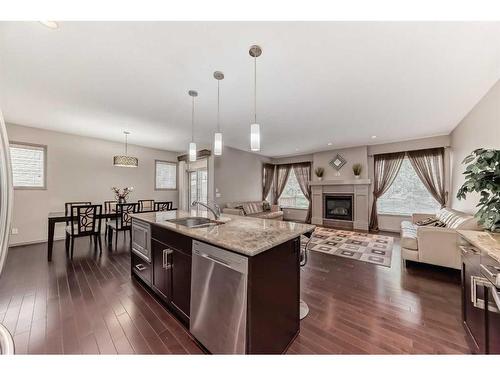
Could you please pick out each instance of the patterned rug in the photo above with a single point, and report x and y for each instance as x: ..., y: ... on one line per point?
x: 371, y: 248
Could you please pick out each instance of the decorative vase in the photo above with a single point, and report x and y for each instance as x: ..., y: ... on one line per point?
x: 122, y: 200
x: 320, y: 179
x: 356, y: 176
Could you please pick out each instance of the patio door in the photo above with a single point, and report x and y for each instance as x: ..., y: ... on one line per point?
x: 198, y: 185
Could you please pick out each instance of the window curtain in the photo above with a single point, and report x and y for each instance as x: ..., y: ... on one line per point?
x: 280, y: 179
x: 267, y: 179
x: 386, y: 169
x: 429, y: 166
x: 303, y: 173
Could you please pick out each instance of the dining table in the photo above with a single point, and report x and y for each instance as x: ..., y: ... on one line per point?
x: 61, y: 217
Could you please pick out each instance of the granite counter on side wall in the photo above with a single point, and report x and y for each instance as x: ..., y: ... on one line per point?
x: 244, y: 235
x: 486, y: 241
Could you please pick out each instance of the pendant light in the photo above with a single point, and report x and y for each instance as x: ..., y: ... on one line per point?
x: 255, y: 51
x: 218, y: 134
x: 125, y: 160
x: 192, y: 145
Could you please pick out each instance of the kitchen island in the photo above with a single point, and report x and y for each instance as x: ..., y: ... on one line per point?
x: 234, y: 282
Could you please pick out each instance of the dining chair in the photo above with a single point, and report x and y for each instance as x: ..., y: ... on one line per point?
x: 163, y: 206
x: 69, y: 207
x: 122, y: 222
x: 85, y: 222
x: 109, y: 207
x: 146, y: 204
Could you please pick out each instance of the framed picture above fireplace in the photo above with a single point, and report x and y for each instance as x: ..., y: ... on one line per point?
x: 337, y: 162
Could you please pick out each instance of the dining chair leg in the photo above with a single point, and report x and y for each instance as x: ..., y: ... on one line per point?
x: 72, y: 246
x: 98, y: 239
x: 116, y: 239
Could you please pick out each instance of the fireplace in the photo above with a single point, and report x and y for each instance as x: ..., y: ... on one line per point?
x: 338, y: 207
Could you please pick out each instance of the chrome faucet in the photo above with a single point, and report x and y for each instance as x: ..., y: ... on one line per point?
x: 215, y: 210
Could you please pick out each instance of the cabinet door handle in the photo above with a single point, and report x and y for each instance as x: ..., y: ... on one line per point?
x: 166, y: 253
x: 140, y: 267
x: 496, y: 297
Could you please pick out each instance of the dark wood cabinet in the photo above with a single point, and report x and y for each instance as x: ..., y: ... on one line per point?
x: 161, y: 270
x: 473, y: 316
x: 480, y: 310
x: 181, y: 281
x: 172, y: 272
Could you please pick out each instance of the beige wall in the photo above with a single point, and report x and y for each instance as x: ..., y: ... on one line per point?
x: 352, y: 155
x: 479, y: 129
x: 79, y: 169
x: 238, y: 176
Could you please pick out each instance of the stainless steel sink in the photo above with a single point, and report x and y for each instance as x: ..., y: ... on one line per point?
x: 194, y: 222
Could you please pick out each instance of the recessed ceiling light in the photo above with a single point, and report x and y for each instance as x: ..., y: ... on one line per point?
x: 296, y: 149
x: 330, y: 143
x: 374, y: 136
x: 50, y: 24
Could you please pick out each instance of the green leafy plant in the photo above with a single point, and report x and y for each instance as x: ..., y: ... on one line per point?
x: 357, y: 168
x: 319, y: 171
x: 482, y: 175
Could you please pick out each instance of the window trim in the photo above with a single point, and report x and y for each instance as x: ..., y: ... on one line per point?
x: 45, y: 155
x: 176, y: 175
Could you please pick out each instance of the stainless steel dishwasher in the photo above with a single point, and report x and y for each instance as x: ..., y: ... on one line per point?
x: 218, y: 299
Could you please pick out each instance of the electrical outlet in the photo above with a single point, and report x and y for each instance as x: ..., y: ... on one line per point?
x: 14, y: 231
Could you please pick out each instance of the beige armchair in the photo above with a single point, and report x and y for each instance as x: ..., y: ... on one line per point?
x: 435, y: 245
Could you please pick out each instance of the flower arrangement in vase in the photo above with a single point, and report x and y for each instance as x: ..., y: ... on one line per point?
x: 122, y: 194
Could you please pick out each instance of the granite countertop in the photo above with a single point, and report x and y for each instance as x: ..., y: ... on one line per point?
x: 486, y: 241
x: 245, y: 235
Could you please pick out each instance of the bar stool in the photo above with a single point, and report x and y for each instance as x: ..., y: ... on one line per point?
x: 304, y: 242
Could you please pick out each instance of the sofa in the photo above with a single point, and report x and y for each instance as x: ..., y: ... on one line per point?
x: 435, y: 245
x: 253, y: 209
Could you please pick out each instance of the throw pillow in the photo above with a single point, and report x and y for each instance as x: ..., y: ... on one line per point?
x: 266, y: 206
x: 426, y: 221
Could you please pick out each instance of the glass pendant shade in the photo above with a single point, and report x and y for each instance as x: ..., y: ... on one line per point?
x: 218, y: 144
x: 192, y: 151
x: 255, y: 137
x: 125, y: 161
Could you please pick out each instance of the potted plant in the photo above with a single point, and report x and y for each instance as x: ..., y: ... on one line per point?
x: 319, y: 173
x: 482, y: 175
x: 121, y: 195
x: 357, y: 168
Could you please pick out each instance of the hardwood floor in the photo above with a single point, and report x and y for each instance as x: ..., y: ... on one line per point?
x: 91, y: 305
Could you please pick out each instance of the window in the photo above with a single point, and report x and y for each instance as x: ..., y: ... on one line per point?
x: 28, y: 165
x: 407, y: 195
x: 165, y: 175
x: 292, y: 196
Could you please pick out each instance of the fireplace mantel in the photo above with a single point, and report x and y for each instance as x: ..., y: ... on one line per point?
x: 356, y: 181
x: 360, y: 190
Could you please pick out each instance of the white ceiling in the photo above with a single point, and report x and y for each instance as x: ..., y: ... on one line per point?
x: 318, y: 82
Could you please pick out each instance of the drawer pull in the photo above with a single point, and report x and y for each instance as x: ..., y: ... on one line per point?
x: 140, y: 267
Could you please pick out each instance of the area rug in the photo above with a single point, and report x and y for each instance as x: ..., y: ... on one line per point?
x: 371, y: 248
